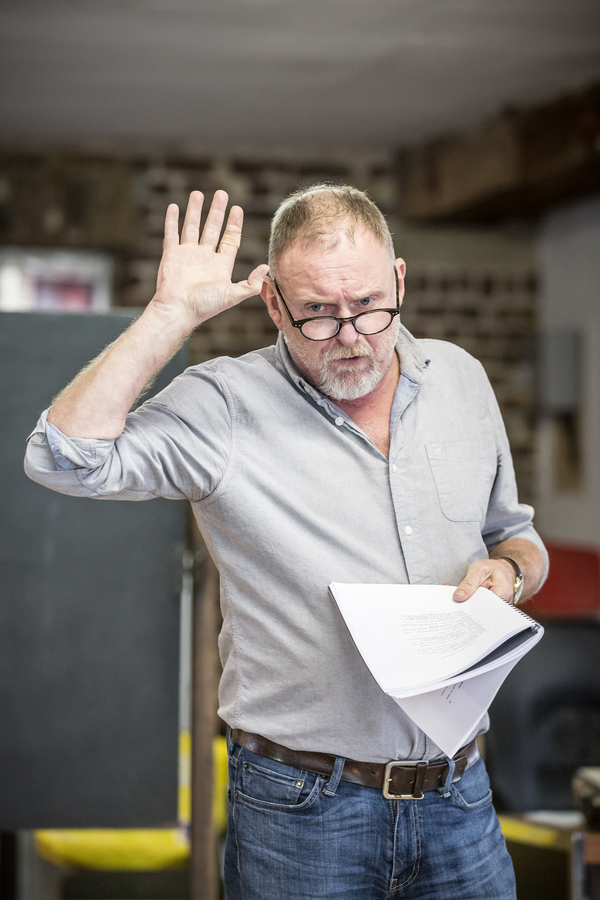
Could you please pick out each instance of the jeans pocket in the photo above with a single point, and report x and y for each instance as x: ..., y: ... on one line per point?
x: 473, y: 790
x: 267, y: 784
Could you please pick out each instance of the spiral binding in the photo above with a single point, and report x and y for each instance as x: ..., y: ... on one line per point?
x: 527, y: 616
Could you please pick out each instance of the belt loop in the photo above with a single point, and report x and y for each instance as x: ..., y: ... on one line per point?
x: 233, y: 748
x: 332, y: 785
x: 445, y: 791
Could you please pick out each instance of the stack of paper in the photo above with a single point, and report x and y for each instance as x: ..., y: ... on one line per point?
x: 442, y: 661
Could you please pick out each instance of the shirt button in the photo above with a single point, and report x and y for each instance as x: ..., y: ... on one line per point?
x: 408, y: 530
x: 394, y: 467
x: 339, y: 421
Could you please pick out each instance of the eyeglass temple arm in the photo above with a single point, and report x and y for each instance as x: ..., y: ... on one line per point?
x: 280, y: 295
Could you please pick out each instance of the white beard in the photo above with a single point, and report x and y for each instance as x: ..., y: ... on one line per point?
x: 348, y: 385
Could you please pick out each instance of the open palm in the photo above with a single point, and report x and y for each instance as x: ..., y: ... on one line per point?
x: 195, y: 271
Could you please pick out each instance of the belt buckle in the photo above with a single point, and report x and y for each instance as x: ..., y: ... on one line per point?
x: 417, y: 793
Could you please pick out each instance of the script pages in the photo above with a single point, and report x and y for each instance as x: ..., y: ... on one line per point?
x: 442, y: 662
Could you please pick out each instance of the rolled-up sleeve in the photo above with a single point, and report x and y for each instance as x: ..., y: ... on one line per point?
x: 176, y: 445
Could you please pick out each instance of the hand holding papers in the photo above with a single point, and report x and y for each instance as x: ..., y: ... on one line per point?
x: 442, y: 662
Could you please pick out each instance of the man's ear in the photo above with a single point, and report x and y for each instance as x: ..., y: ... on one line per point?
x: 401, y: 270
x: 269, y: 295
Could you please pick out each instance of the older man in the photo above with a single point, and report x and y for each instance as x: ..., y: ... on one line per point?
x: 347, y: 452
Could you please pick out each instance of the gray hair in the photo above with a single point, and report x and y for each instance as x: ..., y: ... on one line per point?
x: 316, y: 216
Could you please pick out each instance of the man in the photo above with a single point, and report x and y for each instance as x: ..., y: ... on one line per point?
x: 348, y: 452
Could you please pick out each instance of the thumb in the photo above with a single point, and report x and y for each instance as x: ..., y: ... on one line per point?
x: 466, y: 588
x: 242, y: 290
x: 256, y: 278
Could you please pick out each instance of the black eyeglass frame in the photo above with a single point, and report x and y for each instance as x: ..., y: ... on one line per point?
x: 298, y: 323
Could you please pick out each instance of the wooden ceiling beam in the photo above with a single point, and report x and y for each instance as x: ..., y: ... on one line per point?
x: 520, y: 164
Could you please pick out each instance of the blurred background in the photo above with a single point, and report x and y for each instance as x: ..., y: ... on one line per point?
x: 473, y: 124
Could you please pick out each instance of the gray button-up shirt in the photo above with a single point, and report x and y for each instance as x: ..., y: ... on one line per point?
x: 290, y: 495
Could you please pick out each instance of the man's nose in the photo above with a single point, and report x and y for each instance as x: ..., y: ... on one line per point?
x: 347, y: 335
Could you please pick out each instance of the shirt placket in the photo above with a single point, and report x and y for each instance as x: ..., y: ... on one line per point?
x: 403, y: 488
x: 402, y: 480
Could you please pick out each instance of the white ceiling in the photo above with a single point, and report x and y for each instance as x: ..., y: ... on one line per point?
x: 355, y: 73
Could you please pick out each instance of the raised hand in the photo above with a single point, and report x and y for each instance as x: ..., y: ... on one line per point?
x: 194, y: 283
x: 194, y: 276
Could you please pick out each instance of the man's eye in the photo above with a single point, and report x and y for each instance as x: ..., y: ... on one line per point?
x: 316, y: 308
x: 366, y: 301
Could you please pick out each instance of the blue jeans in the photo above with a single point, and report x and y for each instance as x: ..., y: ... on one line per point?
x: 294, y: 835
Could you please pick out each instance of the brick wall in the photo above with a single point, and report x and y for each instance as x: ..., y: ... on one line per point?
x: 115, y: 200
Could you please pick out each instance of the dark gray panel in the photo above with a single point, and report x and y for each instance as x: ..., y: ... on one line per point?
x: 89, y: 615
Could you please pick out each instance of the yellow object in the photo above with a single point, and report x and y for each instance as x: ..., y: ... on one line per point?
x: 140, y: 848
x: 184, y: 799
x: 111, y: 848
x: 220, y: 779
x: 523, y: 833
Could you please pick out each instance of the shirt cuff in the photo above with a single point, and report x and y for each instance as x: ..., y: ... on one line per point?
x: 73, y: 453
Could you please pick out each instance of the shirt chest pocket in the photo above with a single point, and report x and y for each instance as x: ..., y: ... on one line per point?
x: 464, y: 475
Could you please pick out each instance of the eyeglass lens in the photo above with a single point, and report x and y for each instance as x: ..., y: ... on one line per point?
x: 369, y: 322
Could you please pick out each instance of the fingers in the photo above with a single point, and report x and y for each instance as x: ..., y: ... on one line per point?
x: 464, y: 590
x: 190, y: 233
x: 214, y: 221
x: 256, y: 278
x: 488, y: 573
x: 252, y: 285
x: 171, y: 238
x: 477, y: 575
x: 232, y: 235
x: 191, y: 225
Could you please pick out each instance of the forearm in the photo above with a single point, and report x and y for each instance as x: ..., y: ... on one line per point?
x: 528, y: 557
x: 96, y: 403
x: 194, y: 284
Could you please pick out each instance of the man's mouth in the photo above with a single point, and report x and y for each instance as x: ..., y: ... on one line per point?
x: 351, y: 356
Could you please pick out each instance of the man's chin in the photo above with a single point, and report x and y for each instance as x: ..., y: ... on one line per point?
x: 350, y: 388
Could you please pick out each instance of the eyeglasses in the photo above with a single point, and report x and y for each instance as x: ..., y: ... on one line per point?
x: 323, y: 328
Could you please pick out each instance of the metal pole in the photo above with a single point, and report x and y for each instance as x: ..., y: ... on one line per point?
x: 577, y: 866
x: 204, y: 878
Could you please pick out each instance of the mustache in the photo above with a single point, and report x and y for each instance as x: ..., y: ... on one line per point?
x: 357, y: 349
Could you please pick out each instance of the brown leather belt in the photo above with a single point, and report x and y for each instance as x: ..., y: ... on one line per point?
x: 398, y: 779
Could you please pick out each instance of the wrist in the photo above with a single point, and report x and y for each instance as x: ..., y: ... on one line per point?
x: 518, y: 579
x: 169, y: 320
